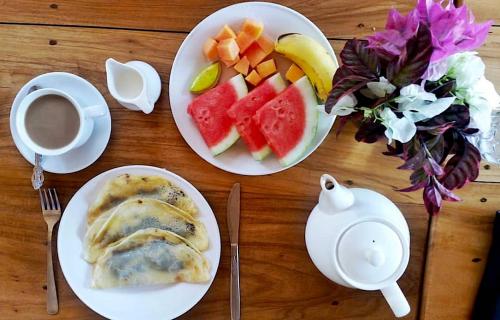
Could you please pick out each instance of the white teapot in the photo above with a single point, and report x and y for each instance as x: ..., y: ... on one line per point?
x: 358, y: 238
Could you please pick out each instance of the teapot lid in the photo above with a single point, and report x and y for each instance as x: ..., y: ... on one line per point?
x: 371, y: 254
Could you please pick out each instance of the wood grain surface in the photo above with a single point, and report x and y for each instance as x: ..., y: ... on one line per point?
x: 278, y: 279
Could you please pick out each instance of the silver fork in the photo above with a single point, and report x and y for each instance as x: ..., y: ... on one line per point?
x: 51, y: 210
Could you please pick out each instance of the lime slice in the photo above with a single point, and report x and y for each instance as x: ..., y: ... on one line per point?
x: 207, y: 78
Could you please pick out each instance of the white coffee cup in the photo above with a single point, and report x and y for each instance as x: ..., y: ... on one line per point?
x: 86, y: 116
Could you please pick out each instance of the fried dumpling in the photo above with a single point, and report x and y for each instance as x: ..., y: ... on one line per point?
x: 129, y: 186
x: 148, y: 257
x: 138, y: 214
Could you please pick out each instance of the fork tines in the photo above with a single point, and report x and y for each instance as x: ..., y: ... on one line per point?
x: 48, y: 199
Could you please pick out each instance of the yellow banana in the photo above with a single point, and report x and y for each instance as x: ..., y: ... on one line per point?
x: 312, y: 58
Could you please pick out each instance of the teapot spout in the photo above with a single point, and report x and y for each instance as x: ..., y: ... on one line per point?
x: 334, y: 197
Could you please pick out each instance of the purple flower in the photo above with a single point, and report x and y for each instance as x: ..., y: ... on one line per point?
x: 453, y: 29
x: 398, y: 30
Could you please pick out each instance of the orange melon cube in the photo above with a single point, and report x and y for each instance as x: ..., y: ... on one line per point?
x: 229, y: 63
x: 242, y: 66
x: 294, y: 73
x: 255, y: 54
x: 225, y: 33
x: 266, y: 68
x: 210, y: 50
x: 228, y: 49
x: 244, y: 41
x: 266, y: 44
x: 253, y: 28
x: 254, y: 78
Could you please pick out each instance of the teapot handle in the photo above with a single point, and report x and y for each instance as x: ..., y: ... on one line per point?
x: 396, y: 300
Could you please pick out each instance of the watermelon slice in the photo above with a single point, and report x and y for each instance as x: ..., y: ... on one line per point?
x: 209, y: 112
x: 289, y: 121
x: 243, y: 111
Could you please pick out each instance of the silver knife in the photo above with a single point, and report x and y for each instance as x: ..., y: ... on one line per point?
x: 233, y: 225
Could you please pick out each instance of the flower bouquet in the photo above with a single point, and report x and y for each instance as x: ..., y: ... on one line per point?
x: 419, y: 84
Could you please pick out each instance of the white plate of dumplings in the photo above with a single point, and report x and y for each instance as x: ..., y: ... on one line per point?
x: 118, y: 285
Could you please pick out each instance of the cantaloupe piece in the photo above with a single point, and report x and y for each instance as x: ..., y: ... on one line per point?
x: 242, y: 66
x: 266, y: 44
x: 253, y: 28
x: 210, y: 49
x: 244, y: 41
x: 225, y: 33
x: 294, y: 73
x: 230, y: 63
x: 228, y: 49
x: 266, y: 68
x: 254, y: 78
x: 255, y: 54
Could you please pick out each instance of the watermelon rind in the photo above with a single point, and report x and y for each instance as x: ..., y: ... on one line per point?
x: 225, y: 143
x: 239, y: 85
x: 277, y: 82
x: 262, y: 153
x: 310, y: 102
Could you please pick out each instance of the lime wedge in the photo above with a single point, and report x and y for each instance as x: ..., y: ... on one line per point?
x: 207, y: 78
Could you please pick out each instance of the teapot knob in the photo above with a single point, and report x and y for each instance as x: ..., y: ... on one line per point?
x: 375, y: 256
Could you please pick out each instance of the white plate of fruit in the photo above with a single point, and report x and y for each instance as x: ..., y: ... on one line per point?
x: 246, y: 87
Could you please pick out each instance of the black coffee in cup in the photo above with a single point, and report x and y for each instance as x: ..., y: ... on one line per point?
x: 52, y: 121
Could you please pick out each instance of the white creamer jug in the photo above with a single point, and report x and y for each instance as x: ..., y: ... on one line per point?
x: 135, y: 85
x: 358, y: 238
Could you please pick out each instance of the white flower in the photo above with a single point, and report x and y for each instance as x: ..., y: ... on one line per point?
x: 482, y: 98
x: 345, y: 105
x: 416, y: 104
x: 466, y: 67
x: 401, y: 129
x: 381, y: 88
x: 436, y: 70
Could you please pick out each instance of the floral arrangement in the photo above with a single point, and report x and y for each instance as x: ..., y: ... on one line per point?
x: 420, y: 84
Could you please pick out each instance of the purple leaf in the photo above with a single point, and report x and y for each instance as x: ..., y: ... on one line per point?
x: 441, y: 90
x: 432, y: 199
x: 413, y: 61
x: 438, y: 129
x: 396, y: 151
x: 418, y: 176
x: 344, y: 86
x: 445, y: 193
x: 415, y: 162
x: 369, y: 131
x: 432, y: 168
x: 463, y: 167
x: 456, y: 114
x: 414, y: 187
x: 436, y: 148
x: 359, y: 59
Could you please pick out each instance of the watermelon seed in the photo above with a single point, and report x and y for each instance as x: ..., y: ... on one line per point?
x: 253, y: 98
x: 275, y: 127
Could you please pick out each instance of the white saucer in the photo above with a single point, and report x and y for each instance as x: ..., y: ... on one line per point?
x: 130, y: 303
x: 85, y: 93
x: 189, y: 60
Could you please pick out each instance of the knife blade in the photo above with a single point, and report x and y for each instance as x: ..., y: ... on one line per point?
x: 233, y: 225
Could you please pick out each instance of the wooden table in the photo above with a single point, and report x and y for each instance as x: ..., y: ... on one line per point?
x: 278, y: 279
